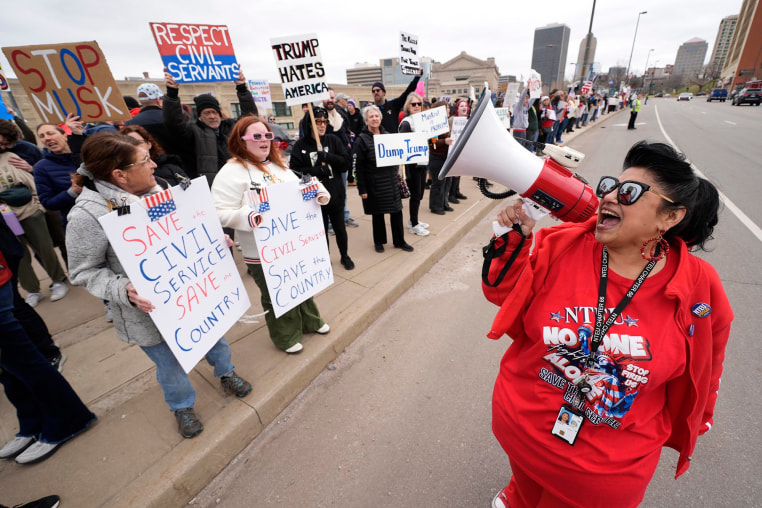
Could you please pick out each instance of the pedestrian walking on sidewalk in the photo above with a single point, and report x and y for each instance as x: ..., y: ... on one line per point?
x: 118, y: 169
x: 257, y: 164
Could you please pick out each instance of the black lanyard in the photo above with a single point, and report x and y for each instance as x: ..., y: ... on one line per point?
x: 602, y: 327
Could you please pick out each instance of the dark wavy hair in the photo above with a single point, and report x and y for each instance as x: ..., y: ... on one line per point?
x: 679, y: 181
x: 156, y: 150
x: 237, y: 146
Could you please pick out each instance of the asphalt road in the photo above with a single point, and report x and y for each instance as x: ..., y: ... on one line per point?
x: 402, y: 418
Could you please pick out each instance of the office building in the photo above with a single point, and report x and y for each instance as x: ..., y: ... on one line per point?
x: 744, y: 60
x: 722, y: 43
x: 551, y: 44
x: 689, y: 62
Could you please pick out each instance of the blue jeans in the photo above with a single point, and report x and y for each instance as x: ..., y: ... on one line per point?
x: 174, y: 382
x: 46, y: 405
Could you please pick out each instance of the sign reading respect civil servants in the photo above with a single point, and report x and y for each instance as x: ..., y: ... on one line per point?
x: 402, y: 148
x: 292, y: 247
x: 196, y: 53
x: 173, y: 249
x: 301, y: 69
x: 68, y: 78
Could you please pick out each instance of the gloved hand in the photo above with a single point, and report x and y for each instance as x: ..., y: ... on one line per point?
x: 322, y: 158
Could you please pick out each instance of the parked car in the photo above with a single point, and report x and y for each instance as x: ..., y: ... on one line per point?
x: 700, y: 94
x: 717, y: 94
x: 684, y: 97
x: 748, y: 96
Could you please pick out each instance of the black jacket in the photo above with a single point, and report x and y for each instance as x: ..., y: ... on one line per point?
x: 151, y: 119
x: 168, y: 166
x: 390, y: 110
x: 380, y: 184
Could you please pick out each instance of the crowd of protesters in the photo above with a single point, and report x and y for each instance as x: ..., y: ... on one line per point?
x: 55, y: 192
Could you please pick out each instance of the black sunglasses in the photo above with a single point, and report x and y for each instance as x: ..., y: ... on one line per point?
x: 629, y: 190
x: 374, y: 90
x: 415, y: 104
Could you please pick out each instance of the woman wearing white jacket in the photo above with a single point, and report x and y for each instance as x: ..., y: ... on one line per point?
x: 256, y: 164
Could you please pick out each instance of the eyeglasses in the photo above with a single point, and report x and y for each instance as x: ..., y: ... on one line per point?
x: 258, y: 137
x: 414, y: 104
x: 147, y: 158
x: 321, y: 121
x: 629, y: 191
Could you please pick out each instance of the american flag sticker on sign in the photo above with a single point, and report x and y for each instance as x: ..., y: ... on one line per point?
x: 310, y: 190
x: 160, y: 204
x: 258, y: 200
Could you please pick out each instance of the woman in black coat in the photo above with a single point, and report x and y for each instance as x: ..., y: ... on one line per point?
x: 378, y: 186
x: 326, y: 165
x: 168, y: 166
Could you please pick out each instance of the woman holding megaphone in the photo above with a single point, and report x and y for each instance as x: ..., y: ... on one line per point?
x: 615, y: 322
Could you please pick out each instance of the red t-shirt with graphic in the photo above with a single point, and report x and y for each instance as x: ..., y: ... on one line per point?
x: 618, y: 446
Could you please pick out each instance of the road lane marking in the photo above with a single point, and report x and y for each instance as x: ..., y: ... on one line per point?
x: 745, y: 220
x: 731, y: 123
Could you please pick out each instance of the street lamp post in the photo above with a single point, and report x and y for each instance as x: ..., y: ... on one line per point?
x: 645, y: 72
x: 633, y: 44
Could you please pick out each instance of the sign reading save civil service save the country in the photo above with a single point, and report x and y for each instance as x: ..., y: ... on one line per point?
x: 301, y: 69
x: 402, y: 148
x: 291, y: 244
x: 196, y: 53
x: 173, y: 249
x: 68, y: 78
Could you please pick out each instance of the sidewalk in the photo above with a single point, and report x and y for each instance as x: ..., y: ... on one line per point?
x: 133, y: 456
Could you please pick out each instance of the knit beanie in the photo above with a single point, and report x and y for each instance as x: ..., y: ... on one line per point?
x: 380, y: 85
x: 206, y: 101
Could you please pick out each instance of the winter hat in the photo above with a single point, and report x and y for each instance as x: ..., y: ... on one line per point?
x: 352, y: 102
x: 131, y: 102
x: 320, y: 112
x: 148, y: 92
x: 380, y: 85
x: 544, y: 97
x: 206, y: 101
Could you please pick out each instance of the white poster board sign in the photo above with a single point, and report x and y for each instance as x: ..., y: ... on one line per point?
x: 511, y: 94
x: 409, y: 61
x: 301, y: 68
x: 260, y: 92
x: 292, y: 247
x: 432, y: 122
x: 504, y: 115
x: 173, y: 249
x: 535, y: 85
x: 458, y: 124
x: 402, y: 148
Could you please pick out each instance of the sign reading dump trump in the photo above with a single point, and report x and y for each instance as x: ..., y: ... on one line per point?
x: 173, y: 249
x: 291, y: 244
x: 196, y: 53
x: 402, y: 148
x: 301, y: 69
x: 68, y: 78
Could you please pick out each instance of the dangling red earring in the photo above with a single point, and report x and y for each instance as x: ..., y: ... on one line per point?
x: 658, y: 250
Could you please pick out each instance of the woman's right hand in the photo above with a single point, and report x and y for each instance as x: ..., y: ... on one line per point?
x: 141, y: 303
x: 364, y: 196
x: 515, y: 214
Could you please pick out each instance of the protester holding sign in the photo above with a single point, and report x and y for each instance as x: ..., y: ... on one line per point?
x: 329, y: 165
x: 415, y: 174
x: 379, y: 187
x: 256, y: 164
x: 440, y: 189
x: 391, y: 108
x: 462, y: 110
x: 117, y: 170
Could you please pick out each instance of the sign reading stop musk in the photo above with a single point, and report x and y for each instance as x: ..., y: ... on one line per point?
x: 68, y: 78
x: 196, y: 53
x: 301, y: 69
x: 173, y: 249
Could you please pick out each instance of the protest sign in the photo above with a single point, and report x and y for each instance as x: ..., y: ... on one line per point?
x: 409, y: 61
x: 260, y: 92
x: 402, y: 148
x: 535, y: 85
x: 432, y: 122
x: 292, y: 246
x: 301, y: 69
x: 4, y: 115
x: 196, y: 53
x: 586, y: 88
x: 511, y: 94
x: 504, y: 115
x: 68, y: 78
x: 173, y: 249
x: 3, y: 82
x: 458, y: 124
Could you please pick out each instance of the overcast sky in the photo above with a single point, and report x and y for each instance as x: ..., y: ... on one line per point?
x: 365, y: 31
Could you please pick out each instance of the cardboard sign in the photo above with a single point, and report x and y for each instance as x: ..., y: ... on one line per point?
x: 402, y: 148
x: 68, y: 78
x: 504, y: 115
x: 458, y: 124
x: 535, y: 85
x: 432, y: 122
x: 292, y: 246
x: 409, y: 61
x: 301, y: 69
x: 3, y: 82
x: 173, y: 249
x: 260, y: 92
x: 196, y: 53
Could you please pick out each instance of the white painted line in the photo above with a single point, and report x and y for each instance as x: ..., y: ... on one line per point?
x: 745, y: 220
x: 728, y: 121
x: 625, y: 125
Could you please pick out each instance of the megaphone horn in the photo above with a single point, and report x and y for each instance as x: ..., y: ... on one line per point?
x: 485, y: 149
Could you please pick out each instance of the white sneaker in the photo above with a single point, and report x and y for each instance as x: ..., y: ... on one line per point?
x: 37, y: 452
x: 422, y: 224
x: 15, y: 446
x: 323, y: 329
x: 419, y: 230
x: 296, y: 348
x: 58, y: 290
x: 33, y: 299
